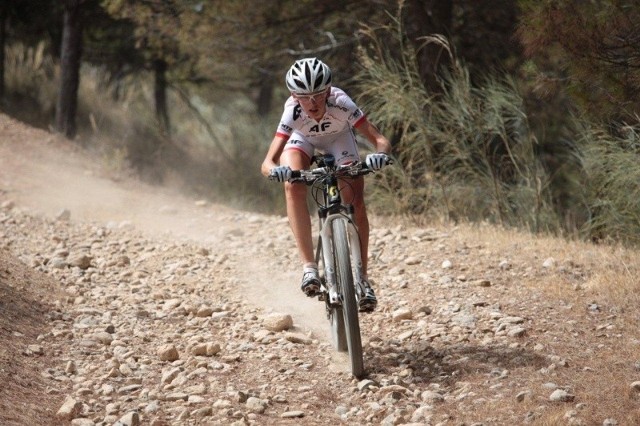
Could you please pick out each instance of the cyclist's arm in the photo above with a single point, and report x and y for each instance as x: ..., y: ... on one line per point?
x: 378, y: 140
x: 272, y: 158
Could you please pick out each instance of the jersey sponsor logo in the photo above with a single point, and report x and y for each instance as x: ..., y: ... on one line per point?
x: 357, y: 113
x: 297, y: 112
x: 346, y: 155
x: 320, y: 127
x: 286, y: 128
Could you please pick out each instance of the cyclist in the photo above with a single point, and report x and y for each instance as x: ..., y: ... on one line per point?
x: 319, y: 116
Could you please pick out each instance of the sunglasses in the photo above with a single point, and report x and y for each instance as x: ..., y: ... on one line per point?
x: 307, y: 97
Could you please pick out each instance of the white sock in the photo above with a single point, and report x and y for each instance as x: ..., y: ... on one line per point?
x: 310, y: 267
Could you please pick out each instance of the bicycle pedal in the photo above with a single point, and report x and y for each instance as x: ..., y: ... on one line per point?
x: 312, y: 293
x: 367, y: 307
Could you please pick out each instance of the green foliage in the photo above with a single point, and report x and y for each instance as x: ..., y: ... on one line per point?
x: 29, y: 81
x: 590, y: 49
x: 611, y: 167
x: 465, y: 154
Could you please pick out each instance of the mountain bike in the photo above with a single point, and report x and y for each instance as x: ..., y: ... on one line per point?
x: 338, y: 253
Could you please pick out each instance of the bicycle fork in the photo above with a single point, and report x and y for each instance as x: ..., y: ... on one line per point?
x: 326, y: 235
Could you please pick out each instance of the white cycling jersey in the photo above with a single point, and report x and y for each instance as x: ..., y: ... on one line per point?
x: 333, y: 134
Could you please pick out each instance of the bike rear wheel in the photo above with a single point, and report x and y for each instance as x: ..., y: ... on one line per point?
x: 342, y: 256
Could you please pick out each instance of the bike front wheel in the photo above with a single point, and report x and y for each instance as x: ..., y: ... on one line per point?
x: 342, y: 256
x: 338, y: 333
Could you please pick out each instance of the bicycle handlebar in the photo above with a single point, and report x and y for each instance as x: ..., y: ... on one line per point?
x: 329, y: 169
x: 350, y: 170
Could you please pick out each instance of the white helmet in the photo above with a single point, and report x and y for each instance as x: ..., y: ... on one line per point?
x: 308, y: 75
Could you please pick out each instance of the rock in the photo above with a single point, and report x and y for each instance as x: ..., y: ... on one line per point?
x: 129, y: 389
x: 413, y: 260
x: 82, y: 422
x: 298, y: 338
x: 402, y: 314
x: 70, y: 409
x: 34, y: 350
x: 341, y: 410
x: 71, y: 368
x: 422, y: 415
x: 256, y: 405
x: 58, y: 263
x: 483, y: 283
x: 517, y: 332
x: 427, y: 310
x: 202, y: 412
x: 213, y: 349
x: 406, y: 335
x: 292, y: 414
x: 103, y: 337
x: 560, y: 395
x: 129, y: 419
x: 199, y: 349
x: 366, y: 384
x: 204, y: 311
x: 431, y: 396
x: 168, y: 353
x: 278, y: 322
x: 82, y: 261
x: 176, y: 396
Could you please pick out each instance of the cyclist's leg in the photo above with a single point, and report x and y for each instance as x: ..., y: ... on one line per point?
x: 344, y: 148
x: 296, y: 199
x: 352, y: 190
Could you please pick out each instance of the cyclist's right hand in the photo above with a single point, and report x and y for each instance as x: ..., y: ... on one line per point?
x: 280, y: 173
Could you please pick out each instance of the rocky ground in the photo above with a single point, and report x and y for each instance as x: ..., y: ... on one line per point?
x: 126, y: 304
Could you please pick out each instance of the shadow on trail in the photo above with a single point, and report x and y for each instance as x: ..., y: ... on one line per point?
x: 449, y: 363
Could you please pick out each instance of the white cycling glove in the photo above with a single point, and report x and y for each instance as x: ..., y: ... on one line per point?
x: 376, y: 161
x: 280, y: 173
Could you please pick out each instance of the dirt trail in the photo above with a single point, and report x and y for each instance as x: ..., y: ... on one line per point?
x: 48, y: 175
x: 477, y: 325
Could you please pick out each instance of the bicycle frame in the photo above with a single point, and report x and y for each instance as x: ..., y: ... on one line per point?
x: 331, y: 211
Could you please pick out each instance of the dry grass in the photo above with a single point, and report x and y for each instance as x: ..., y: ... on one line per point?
x: 582, y: 309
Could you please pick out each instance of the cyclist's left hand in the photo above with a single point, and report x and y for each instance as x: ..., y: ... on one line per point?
x: 377, y: 161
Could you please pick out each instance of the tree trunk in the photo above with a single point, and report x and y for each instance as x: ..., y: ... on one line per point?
x: 70, y: 54
x: 160, y: 95
x: 3, y: 41
x: 265, y: 96
x: 425, y: 18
